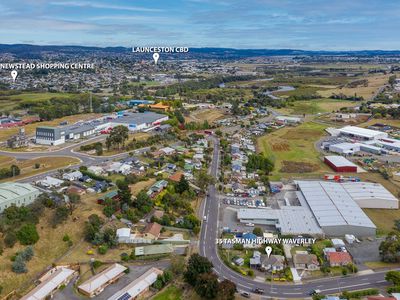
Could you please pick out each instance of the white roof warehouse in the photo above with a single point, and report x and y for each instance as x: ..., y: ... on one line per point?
x: 16, y: 193
x: 362, y: 133
x: 329, y: 208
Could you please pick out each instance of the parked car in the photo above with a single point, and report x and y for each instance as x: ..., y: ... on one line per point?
x: 258, y: 291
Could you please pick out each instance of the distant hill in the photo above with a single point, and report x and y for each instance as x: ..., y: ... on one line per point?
x: 36, y: 51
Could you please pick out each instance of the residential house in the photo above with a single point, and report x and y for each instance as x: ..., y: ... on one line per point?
x: 157, y: 187
x: 238, y: 261
x: 96, y: 284
x: 124, y: 236
x: 76, y: 175
x: 110, y: 195
x: 96, y: 170
x: 255, y: 261
x: 306, y: 261
x: 176, y: 177
x: 168, y: 150
x: 338, y: 259
x: 152, y: 231
x: 50, y: 182
x: 73, y: 189
x: 154, y: 250
x: 100, y: 186
x: 274, y: 263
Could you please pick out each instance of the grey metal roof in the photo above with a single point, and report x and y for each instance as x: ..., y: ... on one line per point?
x: 368, y: 190
x: 138, y: 118
x: 11, y: 190
x: 332, y: 205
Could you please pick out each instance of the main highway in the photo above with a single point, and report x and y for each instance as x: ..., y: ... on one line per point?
x: 208, y: 248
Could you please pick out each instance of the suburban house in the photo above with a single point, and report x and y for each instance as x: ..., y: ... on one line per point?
x: 157, y: 187
x: 152, y: 231
x: 73, y: 189
x: 124, y: 236
x: 96, y: 284
x: 138, y: 287
x: 255, y: 261
x: 50, y: 182
x: 76, y: 175
x: 50, y: 283
x: 337, y: 259
x: 110, y: 195
x: 274, y: 263
x: 154, y: 250
x: 306, y: 261
x: 96, y: 170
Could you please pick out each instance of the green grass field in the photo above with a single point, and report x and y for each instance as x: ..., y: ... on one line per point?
x: 10, y: 102
x: 170, y: 293
x: 312, y: 107
x: 293, y: 151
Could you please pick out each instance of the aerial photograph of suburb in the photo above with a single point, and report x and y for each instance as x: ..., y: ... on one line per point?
x: 199, y: 149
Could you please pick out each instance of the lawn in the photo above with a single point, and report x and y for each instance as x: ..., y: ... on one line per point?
x: 27, y: 167
x: 383, y: 218
x: 170, y: 293
x: 138, y: 136
x: 293, y: 150
x: 6, y: 161
x: 137, y: 187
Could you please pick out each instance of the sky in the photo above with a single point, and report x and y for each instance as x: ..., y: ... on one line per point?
x: 262, y: 24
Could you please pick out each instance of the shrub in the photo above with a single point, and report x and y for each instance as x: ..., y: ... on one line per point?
x: 27, y: 254
x: 19, y: 266
x: 10, y: 239
x: 124, y: 256
x: 103, y: 249
x: 66, y: 238
x: 96, y: 264
x: 28, y: 235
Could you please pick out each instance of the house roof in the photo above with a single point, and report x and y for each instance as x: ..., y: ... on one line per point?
x: 176, y: 176
x: 97, y: 281
x: 274, y: 260
x: 339, y: 257
x: 153, y: 228
x: 307, y: 259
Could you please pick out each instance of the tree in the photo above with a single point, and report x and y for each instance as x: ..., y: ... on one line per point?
x: 226, y: 290
x: 203, y: 179
x: 28, y: 234
x: 207, y: 285
x: 196, y: 265
x: 19, y: 266
x: 118, y: 136
x: 258, y: 231
x: 60, y: 215
x: 15, y: 171
x: 182, y: 185
x: 393, y: 277
x: 99, y: 149
x: 27, y: 254
x: 143, y: 202
x: 124, y: 192
x: 73, y: 200
x: 10, y: 239
x: 110, y: 237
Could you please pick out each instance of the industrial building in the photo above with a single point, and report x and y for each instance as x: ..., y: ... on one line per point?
x: 53, y: 136
x: 18, y: 194
x: 326, y: 209
x: 362, y: 133
x: 336, y: 212
x: 371, y: 195
x: 389, y: 144
x: 345, y: 148
x: 340, y: 164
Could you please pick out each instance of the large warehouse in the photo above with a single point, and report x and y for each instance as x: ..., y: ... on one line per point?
x: 362, y: 133
x: 340, y: 164
x: 326, y: 208
x: 46, y: 135
x: 371, y: 195
x: 16, y: 193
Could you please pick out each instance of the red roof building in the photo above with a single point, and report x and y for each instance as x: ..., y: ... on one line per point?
x: 337, y: 259
x: 340, y: 164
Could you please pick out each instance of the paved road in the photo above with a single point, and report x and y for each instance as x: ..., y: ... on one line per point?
x: 208, y: 248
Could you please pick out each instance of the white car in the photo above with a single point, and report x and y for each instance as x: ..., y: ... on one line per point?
x: 250, y: 224
x: 205, y: 218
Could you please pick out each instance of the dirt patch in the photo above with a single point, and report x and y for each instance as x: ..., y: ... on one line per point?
x: 298, y: 167
x: 302, y: 134
x: 280, y: 147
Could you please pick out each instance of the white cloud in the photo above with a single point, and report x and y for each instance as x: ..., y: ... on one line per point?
x: 104, y: 6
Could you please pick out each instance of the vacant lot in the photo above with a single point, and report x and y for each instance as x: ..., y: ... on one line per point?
x: 6, y: 161
x: 12, y: 101
x: 374, y: 83
x: 315, y: 106
x: 170, y: 293
x: 137, y: 187
x: 29, y: 167
x: 50, y: 246
x: 209, y: 115
x: 292, y: 149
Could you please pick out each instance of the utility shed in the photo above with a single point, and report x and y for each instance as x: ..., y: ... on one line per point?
x: 371, y: 195
x: 18, y: 194
x: 334, y: 209
x: 340, y: 164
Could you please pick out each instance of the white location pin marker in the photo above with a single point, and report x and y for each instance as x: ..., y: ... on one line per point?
x: 14, y: 74
x: 156, y: 56
x: 268, y: 250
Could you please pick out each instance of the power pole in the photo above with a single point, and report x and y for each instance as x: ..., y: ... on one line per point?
x: 90, y: 103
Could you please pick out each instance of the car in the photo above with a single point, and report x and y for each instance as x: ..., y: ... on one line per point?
x: 250, y: 224
x: 205, y: 218
x: 315, y: 292
x: 258, y: 291
x: 245, y: 294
